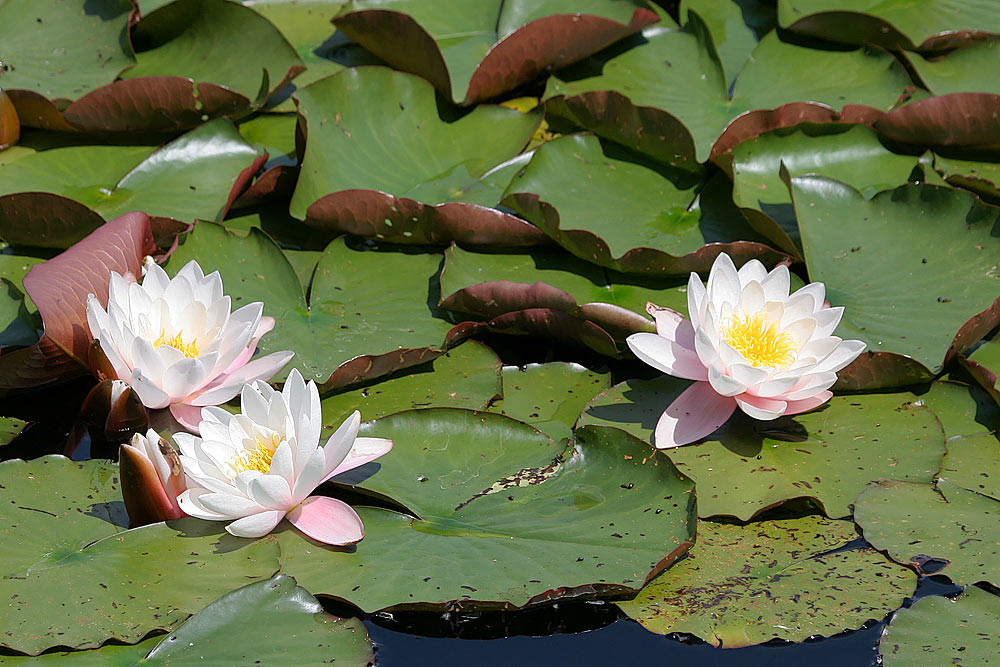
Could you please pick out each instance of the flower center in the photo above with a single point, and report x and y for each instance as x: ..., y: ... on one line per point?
x: 759, y: 341
x: 190, y: 350
x: 259, y: 458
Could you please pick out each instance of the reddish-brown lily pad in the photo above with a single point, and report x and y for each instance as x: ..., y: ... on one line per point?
x: 473, y: 52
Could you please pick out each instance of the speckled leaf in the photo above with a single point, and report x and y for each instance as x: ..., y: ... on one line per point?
x: 10, y: 428
x: 941, y: 631
x: 42, y: 50
x: 109, y: 655
x: 214, y: 41
x: 745, y: 585
x: 894, y: 24
x: 609, y: 208
x: 915, y: 267
x: 983, y: 178
x: 476, y: 51
x: 670, y: 97
x: 507, y: 518
x: 467, y: 376
x: 367, y: 315
x: 936, y: 530
x: 417, y: 171
x: 852, y: 154
x: 63, y: 553
x: 193, y: 177
x: 549, y: 396
x: 828, y: 455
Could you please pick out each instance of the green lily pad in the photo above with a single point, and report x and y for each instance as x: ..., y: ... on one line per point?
x: 192, y: 177
x: 853, y: 155
x: 418, y: 171
x: 505, y: 518
x: 944, y: 530
x: 733, y: 38
x: 549, y: 396
x: 367, y: 315
x: 273, y: 133
x: 983, y: 178
x: 42, y: 51
x: 894, y: 24
x: 940, y: 631
x: 467, y: 376
x: 17, y: 325
x: 10, y: 428
x: 965, y: 70
x: 607, y: 207
x: 473, y: 52
x: 745, y: 585
x: 66, y: 552
x: 829, y: 455
x: 670, y: 96
x: 984, y: 365
x: 914, y: 267
x: 214, y: 41
x: 109, y: 655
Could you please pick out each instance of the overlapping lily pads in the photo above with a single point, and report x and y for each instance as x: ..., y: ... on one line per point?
x: 744, y: 585
x: 474, y: 52
x: 375, y: 302
x: 668, y: 95
x: 916, y: 304
x: 420, y: 173
x: 506, y: 517
x: 66, y: 553
x: 747, y: 467
x: 609, y: 208
x: 54, y: 198
x: 938, y: 630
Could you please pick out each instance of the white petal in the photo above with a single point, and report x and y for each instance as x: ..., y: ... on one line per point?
x: 282, y: 464
x: 184, y: 377
x: 748, y: 375
x: 314, y: 471
x: 189, y: 502
x: 725, y: 385
x: 256, y: 525
x: 751, y: 298
x: 272, y: 492
x: 801, y: 330
x: 751, y: 271
x: 695, y: 297
x: 812, y: 385
x: 827, y: 320
x: 340, y: 443
x: 229, y: 505
x: 845, y: 353
x: 149, y: 394
x: 776, y: 284
x: 723, y: 282
x: 761, y: 408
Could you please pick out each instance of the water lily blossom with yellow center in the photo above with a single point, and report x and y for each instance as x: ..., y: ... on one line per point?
x: 747, y: 344
x: 259, y: 466
x: 177, y: 343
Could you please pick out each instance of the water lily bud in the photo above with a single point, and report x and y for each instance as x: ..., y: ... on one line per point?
x: 112, y: 411
x: 152, y: 478
x: 10, y: 126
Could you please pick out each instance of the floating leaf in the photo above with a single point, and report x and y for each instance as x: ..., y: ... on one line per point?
x: 944, y: 530
x: 475, y: 52
x: 609, y: 208
x: 59, y: 288
x: 53, y: 198
x: 828, y: 455
x: 984, y: 365
x: 745, y: 585
x: 549, y: 396
x: 367, y: 315
x: 667, y: 95
x: 10, y: 428
x: 897, y: 24
x: 733, y: 38
x: 507, y: 518
x: 420, y: 174
x: 983, y: 178
x: 940, y: 631
x: 17, y: 325
x: 467, y: 376
x: 893, y: 262
x: 966, y: 70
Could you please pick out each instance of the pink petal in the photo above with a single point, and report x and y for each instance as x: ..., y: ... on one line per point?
x: 225, y: 387
x: 795, y: 407
x: 667, y: 355
x: 762, y: 408
x: 666, y: 319
x: 265, y: 325
x: 327, y: 520
x: 363, y: 451
x: 697, y: 412
x: 187, y: 415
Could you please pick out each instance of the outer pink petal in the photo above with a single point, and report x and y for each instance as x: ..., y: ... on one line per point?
x: 667, y: 356
x: 363, y: 451
x: 188, y: 416
x: 265, y: 325
x: 327, y: 520
x: 795, y: 407
x: 697, y: 412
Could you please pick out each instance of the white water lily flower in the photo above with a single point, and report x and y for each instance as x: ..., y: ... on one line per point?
x: 748, y: 344
x: 177, y: 343
x: 259, y: 466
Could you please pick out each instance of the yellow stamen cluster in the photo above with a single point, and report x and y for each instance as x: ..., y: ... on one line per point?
x: 260, y: 458
x: 190, y: 350
x: 759, y: 341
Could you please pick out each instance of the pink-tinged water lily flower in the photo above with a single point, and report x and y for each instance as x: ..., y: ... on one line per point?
x: 748, y: 344
x: 177, y: 342
x: 152, y: 478
x: 259, y: 466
